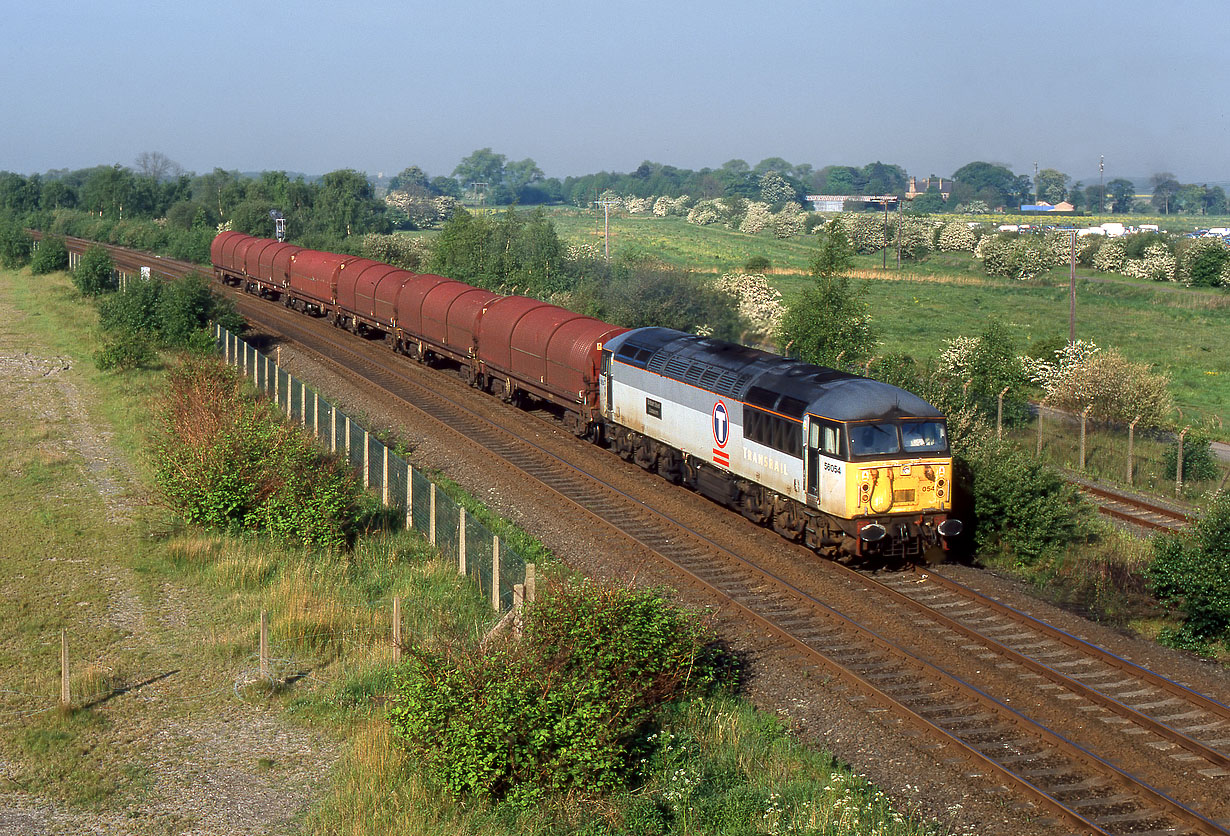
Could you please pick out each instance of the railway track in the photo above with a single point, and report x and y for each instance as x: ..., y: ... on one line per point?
x: 1082, y: 787
x: 1133, y: 510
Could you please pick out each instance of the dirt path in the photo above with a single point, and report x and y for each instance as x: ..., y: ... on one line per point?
x: 168, y: 740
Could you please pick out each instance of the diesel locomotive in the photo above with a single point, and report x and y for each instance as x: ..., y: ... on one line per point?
x: 852, y: 468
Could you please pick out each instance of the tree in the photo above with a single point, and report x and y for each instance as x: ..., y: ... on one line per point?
x: 775, y: 190
x: 346, y: 205
x: 1165, y: 188
x: 835, y: 255
x: 482, y: 166
x: 1192, y: 574
x: 990, y: 180
x: 157, y: 166
x: 930, y: 202
x: 95, y: 273
x: 1215, y: 201
x: 1122, y: 192
x: 15, y: 244
x: 413, y: 181
x: 50, y: 256
x: 829, y: 324
x: 1052, y: 185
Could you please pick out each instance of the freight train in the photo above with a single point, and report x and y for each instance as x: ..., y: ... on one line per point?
x: 854, y: 469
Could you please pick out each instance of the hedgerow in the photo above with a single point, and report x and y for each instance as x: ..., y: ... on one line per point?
x: 225, y: 460
x: 567, y: 709
x: 1192, y: 575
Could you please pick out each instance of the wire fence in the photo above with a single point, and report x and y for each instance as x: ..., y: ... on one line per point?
x: 476, y: 550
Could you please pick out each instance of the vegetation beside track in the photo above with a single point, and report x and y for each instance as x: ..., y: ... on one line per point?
x: 162, y: 625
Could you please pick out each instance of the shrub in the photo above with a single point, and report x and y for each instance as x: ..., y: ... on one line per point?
x: 1157, y: 264
x: 562, y: 711
x: 1118, y: 389
x: 129, y: 350
x: 1192, y: 574
x: 15, y: 245
x: 757, y: 264
x: 50, y: 256
x: 1020, y: 504
x: 227, y: 461
x: 95, y: 272
x: 756, y: 218
x: 1202, y: 262
x: 1199, y: 465
x: 956, y: 236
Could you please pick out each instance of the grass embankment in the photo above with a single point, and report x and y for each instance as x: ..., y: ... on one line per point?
x: 1178, y: 330
x: 171, y: 729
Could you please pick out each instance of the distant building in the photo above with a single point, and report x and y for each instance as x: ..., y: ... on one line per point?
x: 1062, y: 206
x: 837, y: 202
x: 917, y: 187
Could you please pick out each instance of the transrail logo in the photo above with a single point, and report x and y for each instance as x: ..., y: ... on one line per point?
x: 721, y: 424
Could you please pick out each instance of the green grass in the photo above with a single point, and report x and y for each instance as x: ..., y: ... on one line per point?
x: 1177, y: 330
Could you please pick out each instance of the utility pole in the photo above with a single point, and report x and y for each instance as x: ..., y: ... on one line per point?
x: 898, y: 232
x: 1072, y: 292
x: 884, y: 265
x: 1101, y: 188
x: 606, y: 228
x: 1036, y: 181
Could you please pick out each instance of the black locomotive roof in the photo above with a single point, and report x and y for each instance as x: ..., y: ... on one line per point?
x: 765, y: 380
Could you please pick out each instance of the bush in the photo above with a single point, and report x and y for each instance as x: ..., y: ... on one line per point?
x: 95, y: 273
x: 15, y: 245
x: 1022, y: 504
x: 51, y: 255
x: 564, y: 710
x: 1199, y: 465
x: 1192, y: 574
x: 129, y: 350
x: 166, y: 314
x: 227, y: 461
x: 1117, y: 389
x: 757, y: 264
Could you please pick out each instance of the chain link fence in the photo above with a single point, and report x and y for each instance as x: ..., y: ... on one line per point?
x: 478, y: 553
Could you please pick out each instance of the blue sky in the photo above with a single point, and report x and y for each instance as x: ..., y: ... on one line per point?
x: 586, y: 86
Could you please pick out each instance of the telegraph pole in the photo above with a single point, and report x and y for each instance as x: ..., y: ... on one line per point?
x: 1101, y: 188
x: 606, y: 225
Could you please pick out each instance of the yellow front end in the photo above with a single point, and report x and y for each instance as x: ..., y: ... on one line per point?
x: 896, y: 486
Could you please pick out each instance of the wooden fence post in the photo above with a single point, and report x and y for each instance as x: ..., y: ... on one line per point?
x: 431, y: 517
x: 264, y: 646
x: 518, y: 602
x: 303, y: 405
x: 1131, y: 445
x: 1084, y: 421
x: 1178, y: 471
x: 396, y: 630
x: 316, y: 413
x: 409, y: 497
x: 531, y: 582
x: 999, y: 413
x: 461, y: 542
x: 348, y: 438
x: 495, y: 573
x: 384, y: 478
x: 367, y: 468
x: 66, y: 698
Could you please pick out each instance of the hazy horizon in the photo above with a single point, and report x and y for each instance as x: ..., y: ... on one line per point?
x: 582, y: 88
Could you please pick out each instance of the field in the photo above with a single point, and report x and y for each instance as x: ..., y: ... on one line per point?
x: 1177, y: 330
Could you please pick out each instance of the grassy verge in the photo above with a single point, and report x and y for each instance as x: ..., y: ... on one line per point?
x: 162, y: 626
